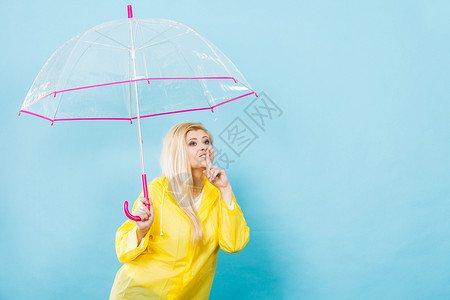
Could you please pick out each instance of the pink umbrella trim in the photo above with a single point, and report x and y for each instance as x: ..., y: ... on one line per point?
x: 132, y: 80
x: 145, y: 116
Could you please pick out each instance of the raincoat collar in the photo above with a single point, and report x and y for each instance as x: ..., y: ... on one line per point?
x: 208, y: 188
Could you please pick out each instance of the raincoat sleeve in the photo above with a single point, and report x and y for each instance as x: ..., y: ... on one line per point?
x: 233, y: 230
x: 126, y: 240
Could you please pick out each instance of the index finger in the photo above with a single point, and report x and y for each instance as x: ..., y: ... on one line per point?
x: 208, y: 160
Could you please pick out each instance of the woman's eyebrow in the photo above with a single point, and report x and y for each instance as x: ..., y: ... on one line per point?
x: 205, y: 136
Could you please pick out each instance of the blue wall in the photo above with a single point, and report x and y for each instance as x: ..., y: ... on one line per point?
x: 346, y: 188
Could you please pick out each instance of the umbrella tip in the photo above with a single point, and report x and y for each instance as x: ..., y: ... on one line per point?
x: 130, y: 12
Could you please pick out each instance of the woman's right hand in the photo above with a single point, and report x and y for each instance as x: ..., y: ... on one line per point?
x: 147, y: 216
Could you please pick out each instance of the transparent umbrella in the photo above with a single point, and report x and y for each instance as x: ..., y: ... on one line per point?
x: 132, y: 69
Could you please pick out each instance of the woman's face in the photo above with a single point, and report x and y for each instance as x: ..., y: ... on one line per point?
x: 197, y: 144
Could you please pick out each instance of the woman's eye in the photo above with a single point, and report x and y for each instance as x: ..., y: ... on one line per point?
x: 192, y: 143
x: 207, y: 142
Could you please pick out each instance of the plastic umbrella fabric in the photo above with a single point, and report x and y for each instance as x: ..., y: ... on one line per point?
x: 131, y: 69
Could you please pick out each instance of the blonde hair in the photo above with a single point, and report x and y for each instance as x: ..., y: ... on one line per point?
x: 176, y: 168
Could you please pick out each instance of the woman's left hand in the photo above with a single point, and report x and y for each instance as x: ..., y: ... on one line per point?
x: 214, y: 174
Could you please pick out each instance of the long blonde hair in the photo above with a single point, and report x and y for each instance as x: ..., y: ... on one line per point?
x: 176, y: 167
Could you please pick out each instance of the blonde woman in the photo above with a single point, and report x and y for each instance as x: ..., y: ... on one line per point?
x: 172, y: 252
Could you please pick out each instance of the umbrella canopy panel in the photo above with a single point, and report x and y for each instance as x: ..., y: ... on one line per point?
x: 92, y: 75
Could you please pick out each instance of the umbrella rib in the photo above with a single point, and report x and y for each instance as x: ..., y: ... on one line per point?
x: 78, y: 41
x: 143, y: 55
x: 187, y: 63
x: 70, y: 54
x: 108, y: 46
x: 145, y: 116
x: 159, y: 34
x: 104, y: 35
x: 57, y: 107
x: 212, y: 49
x: 160, y: 42
x: 90, y: 46
x: 129, y: 84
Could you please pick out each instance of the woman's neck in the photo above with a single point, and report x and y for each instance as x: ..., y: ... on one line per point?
x: 197, y: 177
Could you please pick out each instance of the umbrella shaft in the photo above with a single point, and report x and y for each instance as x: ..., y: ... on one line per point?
x: 139, y: 128
x: 133, y: 61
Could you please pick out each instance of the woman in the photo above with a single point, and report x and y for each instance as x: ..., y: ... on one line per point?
x: 172, y: 252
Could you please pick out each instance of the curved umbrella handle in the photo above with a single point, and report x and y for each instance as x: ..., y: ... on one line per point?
x: 125, y: 204
x: 127, y: 212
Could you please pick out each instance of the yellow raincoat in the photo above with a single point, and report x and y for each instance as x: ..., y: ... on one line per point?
x: 166, y: 265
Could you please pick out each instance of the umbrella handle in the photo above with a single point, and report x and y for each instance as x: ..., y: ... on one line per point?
x: 125, y: 204
x: 127, y: 212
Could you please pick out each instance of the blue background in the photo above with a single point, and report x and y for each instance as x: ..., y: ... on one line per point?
x: 346, y: 193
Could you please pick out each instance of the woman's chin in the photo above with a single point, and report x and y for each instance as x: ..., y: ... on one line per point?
x: 201, y: 168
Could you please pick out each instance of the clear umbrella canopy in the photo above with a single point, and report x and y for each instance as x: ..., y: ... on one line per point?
x: 131, y: 69
x: 92, y: 76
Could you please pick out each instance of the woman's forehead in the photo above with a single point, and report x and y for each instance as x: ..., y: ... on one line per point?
x: 199, y: 133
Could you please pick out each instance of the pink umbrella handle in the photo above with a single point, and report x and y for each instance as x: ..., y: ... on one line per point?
x: 125, y: 204
x: 127, y: 213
